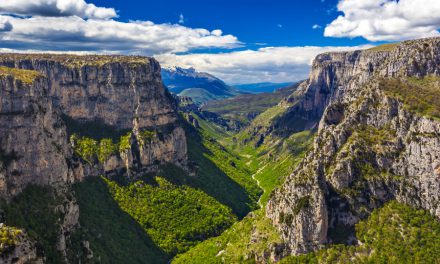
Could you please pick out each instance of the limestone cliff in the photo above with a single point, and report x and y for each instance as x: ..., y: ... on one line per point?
x: 33, y: 139
x: 377, y: 140
x: 45, y: 99
x: 115, y: 93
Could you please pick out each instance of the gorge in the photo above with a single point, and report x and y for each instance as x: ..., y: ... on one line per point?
x: 99, y: 163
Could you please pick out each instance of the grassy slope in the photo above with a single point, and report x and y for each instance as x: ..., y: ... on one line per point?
x: 395, y: 233
x: 421, y: 96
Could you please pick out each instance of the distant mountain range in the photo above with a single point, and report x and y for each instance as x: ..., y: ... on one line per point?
x: 264, y: 87
x: 200, y: 86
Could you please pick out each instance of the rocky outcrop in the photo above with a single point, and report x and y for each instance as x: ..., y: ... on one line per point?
x: 119, y: 91
x: 369, y: 148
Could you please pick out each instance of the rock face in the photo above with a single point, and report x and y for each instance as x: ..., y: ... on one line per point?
x: 33, y: 139
x: 369, y: 148
x: 116, y: 93
x: 45, y: 98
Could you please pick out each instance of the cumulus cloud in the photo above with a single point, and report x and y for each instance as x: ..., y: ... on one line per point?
x: 56, y: 8
x: 316, y: 26
x: 386, y: 20
x: 271, y: 64
x: 77, y: 34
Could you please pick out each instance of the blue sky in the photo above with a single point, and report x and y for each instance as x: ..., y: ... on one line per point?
x: 240, y: 41
x: 252, y: 21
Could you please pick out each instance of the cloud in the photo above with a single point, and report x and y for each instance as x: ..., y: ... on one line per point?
x: 181, y: 19
x: 77, y: 34
x: 271, y: 64
x: 279, y: 25
x: 316, y: 26
x: 386, y: 20
x: 56, y: 8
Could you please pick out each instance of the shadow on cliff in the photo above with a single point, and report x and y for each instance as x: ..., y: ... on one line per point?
x: 209, y: 178
x: 114, y: 236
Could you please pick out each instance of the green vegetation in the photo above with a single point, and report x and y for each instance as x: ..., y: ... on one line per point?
x: 243, y: 108
x: 277, y: 161
x: 395, y: 233
x: 106, y: 149
x: 33, y: 210
x: 77, y: 61
x: 9, y: 238
x: 125, y: 142
x: 384, y: 47
x: 238, y: 244
x: 421, y: 96
x: 86, y: 148
x: 90, y: 149
x: 146, y: 136
x: 175, y: 217
x: 270, y: 163
x: 114, y: 236
x: 26, y: 76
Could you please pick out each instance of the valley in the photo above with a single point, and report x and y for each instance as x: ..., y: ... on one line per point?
x: 100, y: 163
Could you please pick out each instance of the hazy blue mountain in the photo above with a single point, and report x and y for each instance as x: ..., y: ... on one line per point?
x: 200, y: 86
x: 264, y: 87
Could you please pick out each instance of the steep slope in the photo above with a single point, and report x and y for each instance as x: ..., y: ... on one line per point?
x: 200, y: 86
x: 377, y: 141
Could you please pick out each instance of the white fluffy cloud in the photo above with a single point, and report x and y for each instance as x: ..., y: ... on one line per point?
x: 386, y: 20
x: 73, y: 33
x: 273, y: 64
x: 56, y: 8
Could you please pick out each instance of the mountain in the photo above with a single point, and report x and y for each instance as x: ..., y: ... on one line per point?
x: 365, y: 188
x: 200, y: 86
x: 376, y: 142
x: 264, y: 87
x: 240, y: 110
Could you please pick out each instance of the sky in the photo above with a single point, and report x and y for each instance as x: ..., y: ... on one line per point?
x: 241, y: 41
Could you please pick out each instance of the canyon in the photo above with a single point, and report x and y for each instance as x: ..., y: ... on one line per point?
x: 99, y: 135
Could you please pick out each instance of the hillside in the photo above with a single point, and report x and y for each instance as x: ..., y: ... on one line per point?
x: 242, y: 109
x: 199, y: 86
